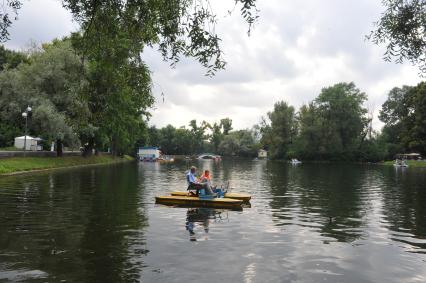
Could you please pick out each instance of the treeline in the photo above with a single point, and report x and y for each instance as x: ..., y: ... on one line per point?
x: 334, y: 126
x: 81, y: 100
x: 77, y: 100
x: 216, y: 137
x: 337, y: 126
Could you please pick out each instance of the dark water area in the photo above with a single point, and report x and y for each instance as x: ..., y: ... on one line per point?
x: 306, y: 223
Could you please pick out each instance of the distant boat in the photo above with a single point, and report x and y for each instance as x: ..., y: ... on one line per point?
x: 209, y: 156
x: 400, y: 163
x: 295, y: 161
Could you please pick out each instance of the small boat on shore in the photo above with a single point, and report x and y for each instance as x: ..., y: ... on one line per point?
x: 200, y: 202
x: 239, y: 196
x: 214, y: 157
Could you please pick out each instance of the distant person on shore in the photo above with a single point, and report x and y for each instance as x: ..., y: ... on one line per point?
x: 194, y: 184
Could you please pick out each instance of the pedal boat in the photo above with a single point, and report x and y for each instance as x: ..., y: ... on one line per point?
x: 200, y: 202
x: 239, y: 196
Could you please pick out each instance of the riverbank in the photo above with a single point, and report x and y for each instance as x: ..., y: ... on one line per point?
x: 17, y: 165
x: 411, y: 163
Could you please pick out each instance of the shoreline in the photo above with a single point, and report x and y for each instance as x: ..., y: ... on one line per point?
x: 55, y: 163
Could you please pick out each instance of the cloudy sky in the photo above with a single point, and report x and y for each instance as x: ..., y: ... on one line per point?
x: 295, y: 49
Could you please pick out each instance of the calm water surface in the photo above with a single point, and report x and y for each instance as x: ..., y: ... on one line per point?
x: 307, y: 223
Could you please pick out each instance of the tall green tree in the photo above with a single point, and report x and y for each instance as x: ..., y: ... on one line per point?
x: 226, y: 125
x: 239, y: 143
x: 333, y: 126
x: 282, y: 123
x: 216, y: 136
x: 308, y: 144
x: 198, y: 133
x: 405, y: 120
x: 50, y: 81
x: 342, y: 112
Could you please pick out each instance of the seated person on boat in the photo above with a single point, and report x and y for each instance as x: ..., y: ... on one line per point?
x: 194, y: 185
x: 205, y: 178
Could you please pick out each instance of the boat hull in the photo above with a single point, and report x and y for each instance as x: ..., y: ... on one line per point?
x: 196, y: 201
x: 239, y: 196
x: 400, y: 166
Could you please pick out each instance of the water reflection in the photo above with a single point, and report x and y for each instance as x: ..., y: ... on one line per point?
x: 327, y: 199
x: 202, y: 217
x: 403, y: 210
x: 66, y: 221
x: 307, y: 223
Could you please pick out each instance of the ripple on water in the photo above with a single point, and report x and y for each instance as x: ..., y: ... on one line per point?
x: 312, y: 223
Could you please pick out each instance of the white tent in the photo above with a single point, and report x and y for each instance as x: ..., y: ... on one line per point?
x: 31, y: 143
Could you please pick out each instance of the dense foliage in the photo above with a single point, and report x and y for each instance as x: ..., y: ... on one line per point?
x: 217, y: 137
x: 110, y: 91
x: 404, y: 115
x: 332, y: 127
x: 49, y: 80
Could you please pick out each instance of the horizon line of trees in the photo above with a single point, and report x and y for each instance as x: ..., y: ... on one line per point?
x: 72, y: 108
x: 334, y: 126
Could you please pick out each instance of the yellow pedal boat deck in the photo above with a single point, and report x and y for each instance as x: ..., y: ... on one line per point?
x: 196, y: 201
x: 243, y: 197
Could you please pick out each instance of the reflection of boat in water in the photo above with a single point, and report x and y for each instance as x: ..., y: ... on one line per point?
x: 239, y: 196
x: 201, y: 217
x: 165, y: 159
x: 200, y: 202
x: 294, y: 161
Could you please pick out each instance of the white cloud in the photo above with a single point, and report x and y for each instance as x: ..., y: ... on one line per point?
x: 40, y: 21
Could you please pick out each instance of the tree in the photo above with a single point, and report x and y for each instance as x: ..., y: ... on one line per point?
x: 198, y: 135
x: 308, y: 143
x: 54, y: 126
x: 10, y: 59
x: 50, y: 78
x: 178, y: 27
x: 418, y: 134
x: 226, y: 125
x: 333, y: 126
x: 112, y: 38
x: 216, y: 136
x: 402, y: 28
x: 239, y: 143
x: 282, y: 120
x: 405, y: 120
x: 229, y: 146
x: 395, y: 114
x: 341, y: 110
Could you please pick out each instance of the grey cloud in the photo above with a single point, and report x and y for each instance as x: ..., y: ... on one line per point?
x: 326, y: 39
x: 40, y: 21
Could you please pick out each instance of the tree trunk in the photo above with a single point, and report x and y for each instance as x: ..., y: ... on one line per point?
x: 59, y: 152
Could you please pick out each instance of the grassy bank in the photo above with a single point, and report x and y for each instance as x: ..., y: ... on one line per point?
x: 411, y: 163
x: 18, y: 164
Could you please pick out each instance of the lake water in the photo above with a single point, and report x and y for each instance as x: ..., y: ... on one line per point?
x: 306, y: 223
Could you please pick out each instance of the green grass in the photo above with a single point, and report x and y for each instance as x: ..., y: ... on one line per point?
x: 411, y: 163
x: 10, y: 148
x: 16, y: 164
